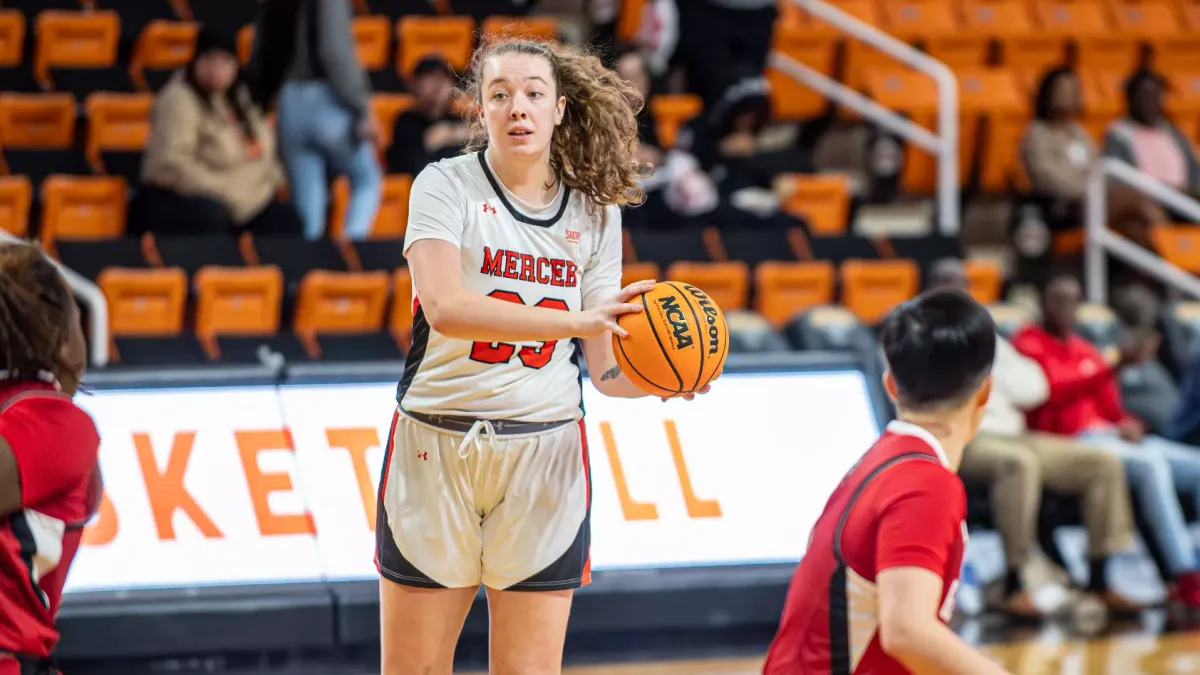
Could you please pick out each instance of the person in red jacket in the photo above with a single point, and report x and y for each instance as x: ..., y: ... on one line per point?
x: 49, y: 474
x: 875, y: 589
x: 1085, y: 402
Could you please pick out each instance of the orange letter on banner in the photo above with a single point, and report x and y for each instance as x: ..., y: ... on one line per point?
x: 262, y: 484
x: 166, y: 490
x: 697, y: 508
x: 630, y: 509
x: 103, y: 529
x: 357, y: 442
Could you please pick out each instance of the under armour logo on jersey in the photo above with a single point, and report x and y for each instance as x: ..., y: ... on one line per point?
x: 572, y: 237
x: 423, y: 455
x: 488, y: 208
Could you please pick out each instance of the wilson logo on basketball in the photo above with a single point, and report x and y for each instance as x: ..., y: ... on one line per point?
x: 710, y: 317
x: 679, y: 325
x: 572, y: 237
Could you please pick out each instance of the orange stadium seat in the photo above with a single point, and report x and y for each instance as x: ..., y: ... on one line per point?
x: 871, y: 288
x: 162, y: 45
x: 74, y: 40
x: 1189, y: 13
x: 419, y: 36
x: 784, y: 289
x: 116, y: 122
x: 391, y: 219
x: 822, y: 199
x: 985, y: 280
x: 997, y: 95
x: 936, y: 25
x: 672, y: 111
x: 915, y: 94
x: 997, y: 18
x: 789, y: 98
x: 144, y: 302
x: 536, y: 27
x: 12, y: 37
x: 1182, y: 101
x: 400, y: 316
x: 629, y: 18
x: 30, y: 121
x: 16, y: 194
x: 387, y: 108
x: 236, y: 301
x: 373, y: 41
x: 637, y: 271
x: 339, y: 303
x: 82, y: 208
x: 727, y: 283
x: 1179, y: 245
x: 245, y: 43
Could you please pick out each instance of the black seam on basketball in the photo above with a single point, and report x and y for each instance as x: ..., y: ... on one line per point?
x: 700, y: 334
x: 661, y: 346
x: 621, y: 344
x: 724, y: 350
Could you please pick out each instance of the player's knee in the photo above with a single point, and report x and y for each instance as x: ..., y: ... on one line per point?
x: 1023, y: 464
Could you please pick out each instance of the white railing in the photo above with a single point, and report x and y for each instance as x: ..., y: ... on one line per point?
x: 93, y: 297
x: 943, y: 144
x: 1102, y: 241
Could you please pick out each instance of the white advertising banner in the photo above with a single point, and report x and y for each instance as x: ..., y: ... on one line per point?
x: 262, y: 485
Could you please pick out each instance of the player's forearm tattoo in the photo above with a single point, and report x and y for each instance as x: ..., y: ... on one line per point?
x: 611, y: 374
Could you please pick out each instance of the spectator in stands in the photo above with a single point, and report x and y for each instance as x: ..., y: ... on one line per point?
x: 654, y: 212
x: 1146, y: 139
x: 1084, y: 402
x: 305, y: 63
x: 210, y: 164
x: 1017, y: 464
x: 430, y: 130
x: 1185, y: 420
x: 1147, y: 389
x: 722, y: 42
x: 1056, y: 150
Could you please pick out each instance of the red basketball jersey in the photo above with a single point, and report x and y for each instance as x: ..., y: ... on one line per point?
x: 900, y: 506
x: 56, y: 447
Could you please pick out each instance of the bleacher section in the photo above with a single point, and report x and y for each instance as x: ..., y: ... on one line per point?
x: 79, y: 78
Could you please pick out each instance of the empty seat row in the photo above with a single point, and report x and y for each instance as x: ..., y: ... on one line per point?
x: 78, y: 51
x: 150, y: 306
x: 869, y: 289
x: 89, y: 208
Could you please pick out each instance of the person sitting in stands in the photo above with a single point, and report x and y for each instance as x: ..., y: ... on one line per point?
x: 1084, y: 402
x: 430, y: 130
x: 210, y: 164
x: 1016, y: 464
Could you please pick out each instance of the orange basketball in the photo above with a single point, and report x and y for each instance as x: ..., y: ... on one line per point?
x: 676, y: 344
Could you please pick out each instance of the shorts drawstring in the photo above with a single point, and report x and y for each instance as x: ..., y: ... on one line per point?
x: 481, y: 432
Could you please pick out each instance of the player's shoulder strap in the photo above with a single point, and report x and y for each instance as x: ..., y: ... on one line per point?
x: 862, y: 485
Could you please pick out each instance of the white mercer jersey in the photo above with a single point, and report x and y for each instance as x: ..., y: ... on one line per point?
x: 562, y: 257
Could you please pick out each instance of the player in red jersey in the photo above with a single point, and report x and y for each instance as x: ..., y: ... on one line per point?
x: 874, y: 591
x: 49, y: 474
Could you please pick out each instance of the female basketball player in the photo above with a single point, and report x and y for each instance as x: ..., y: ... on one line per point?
x: 49, y: 476
x: 515, y: 250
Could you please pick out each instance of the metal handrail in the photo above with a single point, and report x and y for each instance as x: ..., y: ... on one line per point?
x: 92, y: 297
x: 944, y: 144
x: 1101, y: 240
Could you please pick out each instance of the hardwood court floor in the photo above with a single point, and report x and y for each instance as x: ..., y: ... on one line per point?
x: 1137, y: 653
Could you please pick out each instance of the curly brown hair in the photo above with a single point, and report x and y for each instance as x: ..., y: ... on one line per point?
x: 35, y: 314
x: 592, y: 150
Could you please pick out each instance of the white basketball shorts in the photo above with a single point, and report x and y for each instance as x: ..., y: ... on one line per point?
x: 485, y: 503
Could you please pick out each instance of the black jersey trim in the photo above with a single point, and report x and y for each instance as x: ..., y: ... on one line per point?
x: 540, y: 222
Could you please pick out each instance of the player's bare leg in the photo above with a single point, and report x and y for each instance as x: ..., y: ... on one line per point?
x: 419, y: 627
x: 528, y: 630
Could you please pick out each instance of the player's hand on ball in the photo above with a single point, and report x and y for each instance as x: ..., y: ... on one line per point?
x: 595, y: 321
x: 687, y: 397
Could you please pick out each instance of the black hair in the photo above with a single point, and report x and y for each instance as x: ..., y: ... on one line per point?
x: 1135, y: 82
x: 939, y: 347
x: 209, y: 40
x: 35, y: 314
x: 1042, y: 108
x: 1055, y: 275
